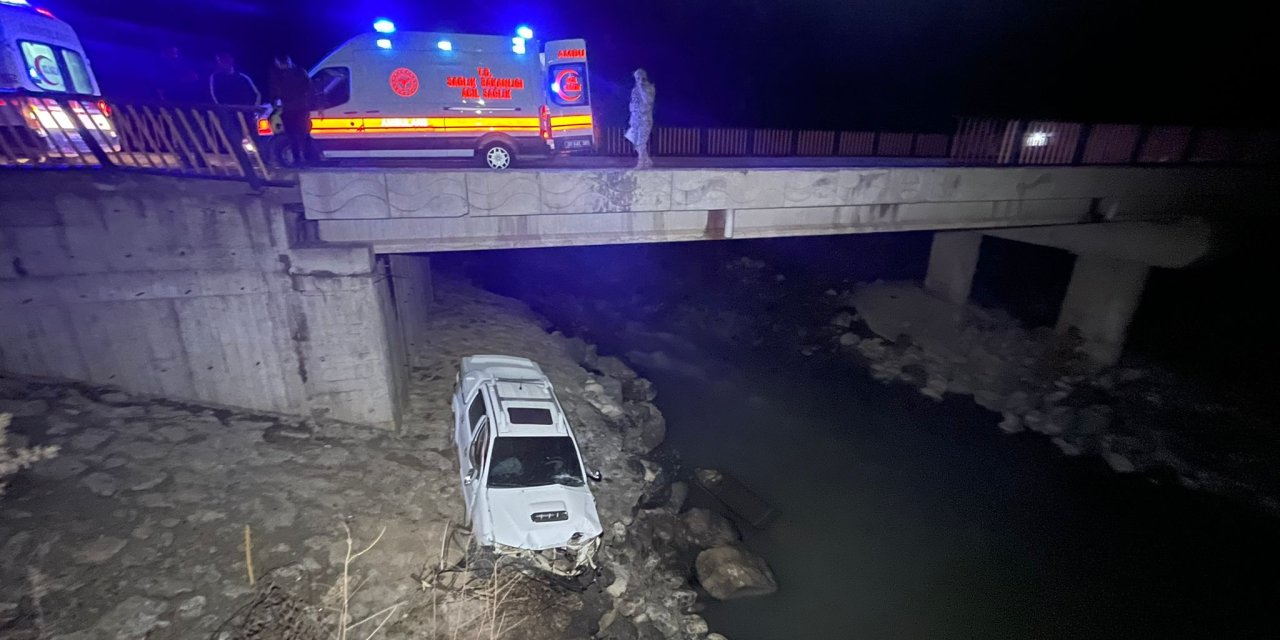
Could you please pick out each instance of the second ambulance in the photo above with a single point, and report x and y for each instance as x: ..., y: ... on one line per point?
x: 412, y: 94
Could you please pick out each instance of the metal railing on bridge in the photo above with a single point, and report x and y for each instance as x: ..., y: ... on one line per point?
x: 38, y: 131
x: 75, y: 132
x: 976, y: 142
x: 777, y: 143
x: 1041, y: 142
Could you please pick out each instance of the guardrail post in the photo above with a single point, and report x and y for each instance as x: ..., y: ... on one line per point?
x: 1141, y: 141
x: 1018, y: 142
x: 87, y: 136
x: 1082, y: 142
x: 1191, y: 143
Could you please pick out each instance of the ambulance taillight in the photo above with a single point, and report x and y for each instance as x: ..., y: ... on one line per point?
x: 544, y: 122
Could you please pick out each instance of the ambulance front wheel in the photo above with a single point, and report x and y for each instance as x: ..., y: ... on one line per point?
x: 496, y: 155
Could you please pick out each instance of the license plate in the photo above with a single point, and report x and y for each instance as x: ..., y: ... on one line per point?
x: 580, y: 143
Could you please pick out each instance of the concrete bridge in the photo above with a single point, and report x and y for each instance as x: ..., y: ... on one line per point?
x: 306, y: 300
x: 402, y: 211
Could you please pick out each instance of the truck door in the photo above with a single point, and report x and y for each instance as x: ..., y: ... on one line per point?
x: 477, y: 455
x: 568, y: 118
x: 466, y: 425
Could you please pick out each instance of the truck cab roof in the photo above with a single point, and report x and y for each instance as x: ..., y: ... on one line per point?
x: 521, y: 398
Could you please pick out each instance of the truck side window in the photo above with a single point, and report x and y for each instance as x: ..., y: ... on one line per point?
x: 330, y: 87
x: 480, y: 447
x: 476, y: 411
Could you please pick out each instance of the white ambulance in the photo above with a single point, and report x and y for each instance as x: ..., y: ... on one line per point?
x: 46, y: 84
x: 40, y: 53
x: 392, y: 94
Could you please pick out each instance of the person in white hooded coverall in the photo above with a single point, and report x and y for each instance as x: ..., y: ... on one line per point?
x: 641, y: 118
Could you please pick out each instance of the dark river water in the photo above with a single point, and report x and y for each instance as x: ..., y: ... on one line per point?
x: 900, y: 517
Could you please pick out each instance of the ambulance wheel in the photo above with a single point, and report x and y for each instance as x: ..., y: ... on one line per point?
x: 496, y: 155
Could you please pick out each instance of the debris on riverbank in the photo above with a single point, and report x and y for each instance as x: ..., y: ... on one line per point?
x: 163, y: 519
x: 1134, y: 418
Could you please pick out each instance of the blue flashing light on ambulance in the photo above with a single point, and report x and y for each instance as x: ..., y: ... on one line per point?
x: 414, y: 94
x: 46, y: 83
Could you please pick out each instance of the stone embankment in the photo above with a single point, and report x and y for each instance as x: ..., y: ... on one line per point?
x: 145, y: 523
x: 1135, y: 418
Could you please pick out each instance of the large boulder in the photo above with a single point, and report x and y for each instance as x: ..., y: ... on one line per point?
x: 614, y: 368
x: 638, y: 390
x: 707, y: 529
x: 648, y: 427
x: 657, y: 485
x: 728, y: 573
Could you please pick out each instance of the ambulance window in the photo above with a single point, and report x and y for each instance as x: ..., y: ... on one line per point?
x: 81, y: 82
x: 42, y: 66
x: 331, y: 87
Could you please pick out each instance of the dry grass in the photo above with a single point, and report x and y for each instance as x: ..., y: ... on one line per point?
x: 456, y: 600
x: 467, y: 606
x: 15, y: 460
x: 344, y: 624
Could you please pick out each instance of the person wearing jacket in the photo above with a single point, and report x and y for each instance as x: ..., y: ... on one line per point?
x: 230, y: 88
x: 289, y: 88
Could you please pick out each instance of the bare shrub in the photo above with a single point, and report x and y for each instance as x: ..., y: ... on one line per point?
x: 16, y: 459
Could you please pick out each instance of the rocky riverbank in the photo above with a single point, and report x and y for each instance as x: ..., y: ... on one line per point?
x: 1136, y: 418
x: 162, y: 519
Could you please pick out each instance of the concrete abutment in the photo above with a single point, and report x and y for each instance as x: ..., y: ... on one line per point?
x: 193, y: 290
x: 410, y: 281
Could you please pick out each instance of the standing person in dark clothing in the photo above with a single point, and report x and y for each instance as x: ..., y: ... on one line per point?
x: 230, y: 88
x: 290, y: 89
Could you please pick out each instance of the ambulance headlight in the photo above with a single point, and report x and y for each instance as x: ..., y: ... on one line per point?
x: 384, y: 43
x: 444, y: 45
x: 383, y: 25
x: 525, y: 32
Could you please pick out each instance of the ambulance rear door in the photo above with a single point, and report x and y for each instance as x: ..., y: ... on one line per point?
x: 569, y: 95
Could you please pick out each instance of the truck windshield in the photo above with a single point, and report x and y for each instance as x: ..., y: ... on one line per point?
x: 520, y: 461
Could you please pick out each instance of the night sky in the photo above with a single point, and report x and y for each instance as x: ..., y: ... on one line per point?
x: 859, y: 64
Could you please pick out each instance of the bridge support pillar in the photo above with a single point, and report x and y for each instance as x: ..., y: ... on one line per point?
x: 411, y: 288
x: 953, y: 259
x: 1101, y: 299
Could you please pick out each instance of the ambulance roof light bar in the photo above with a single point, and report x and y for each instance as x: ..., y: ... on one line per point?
x: 524, y: 32
x: 383, y: 25
x: 444, y: 45
x: 517, y: 45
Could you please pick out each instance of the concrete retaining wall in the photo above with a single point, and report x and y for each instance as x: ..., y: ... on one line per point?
x: 191, y: 290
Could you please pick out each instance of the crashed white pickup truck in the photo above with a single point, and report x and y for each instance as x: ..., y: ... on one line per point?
x: 522, y: 474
